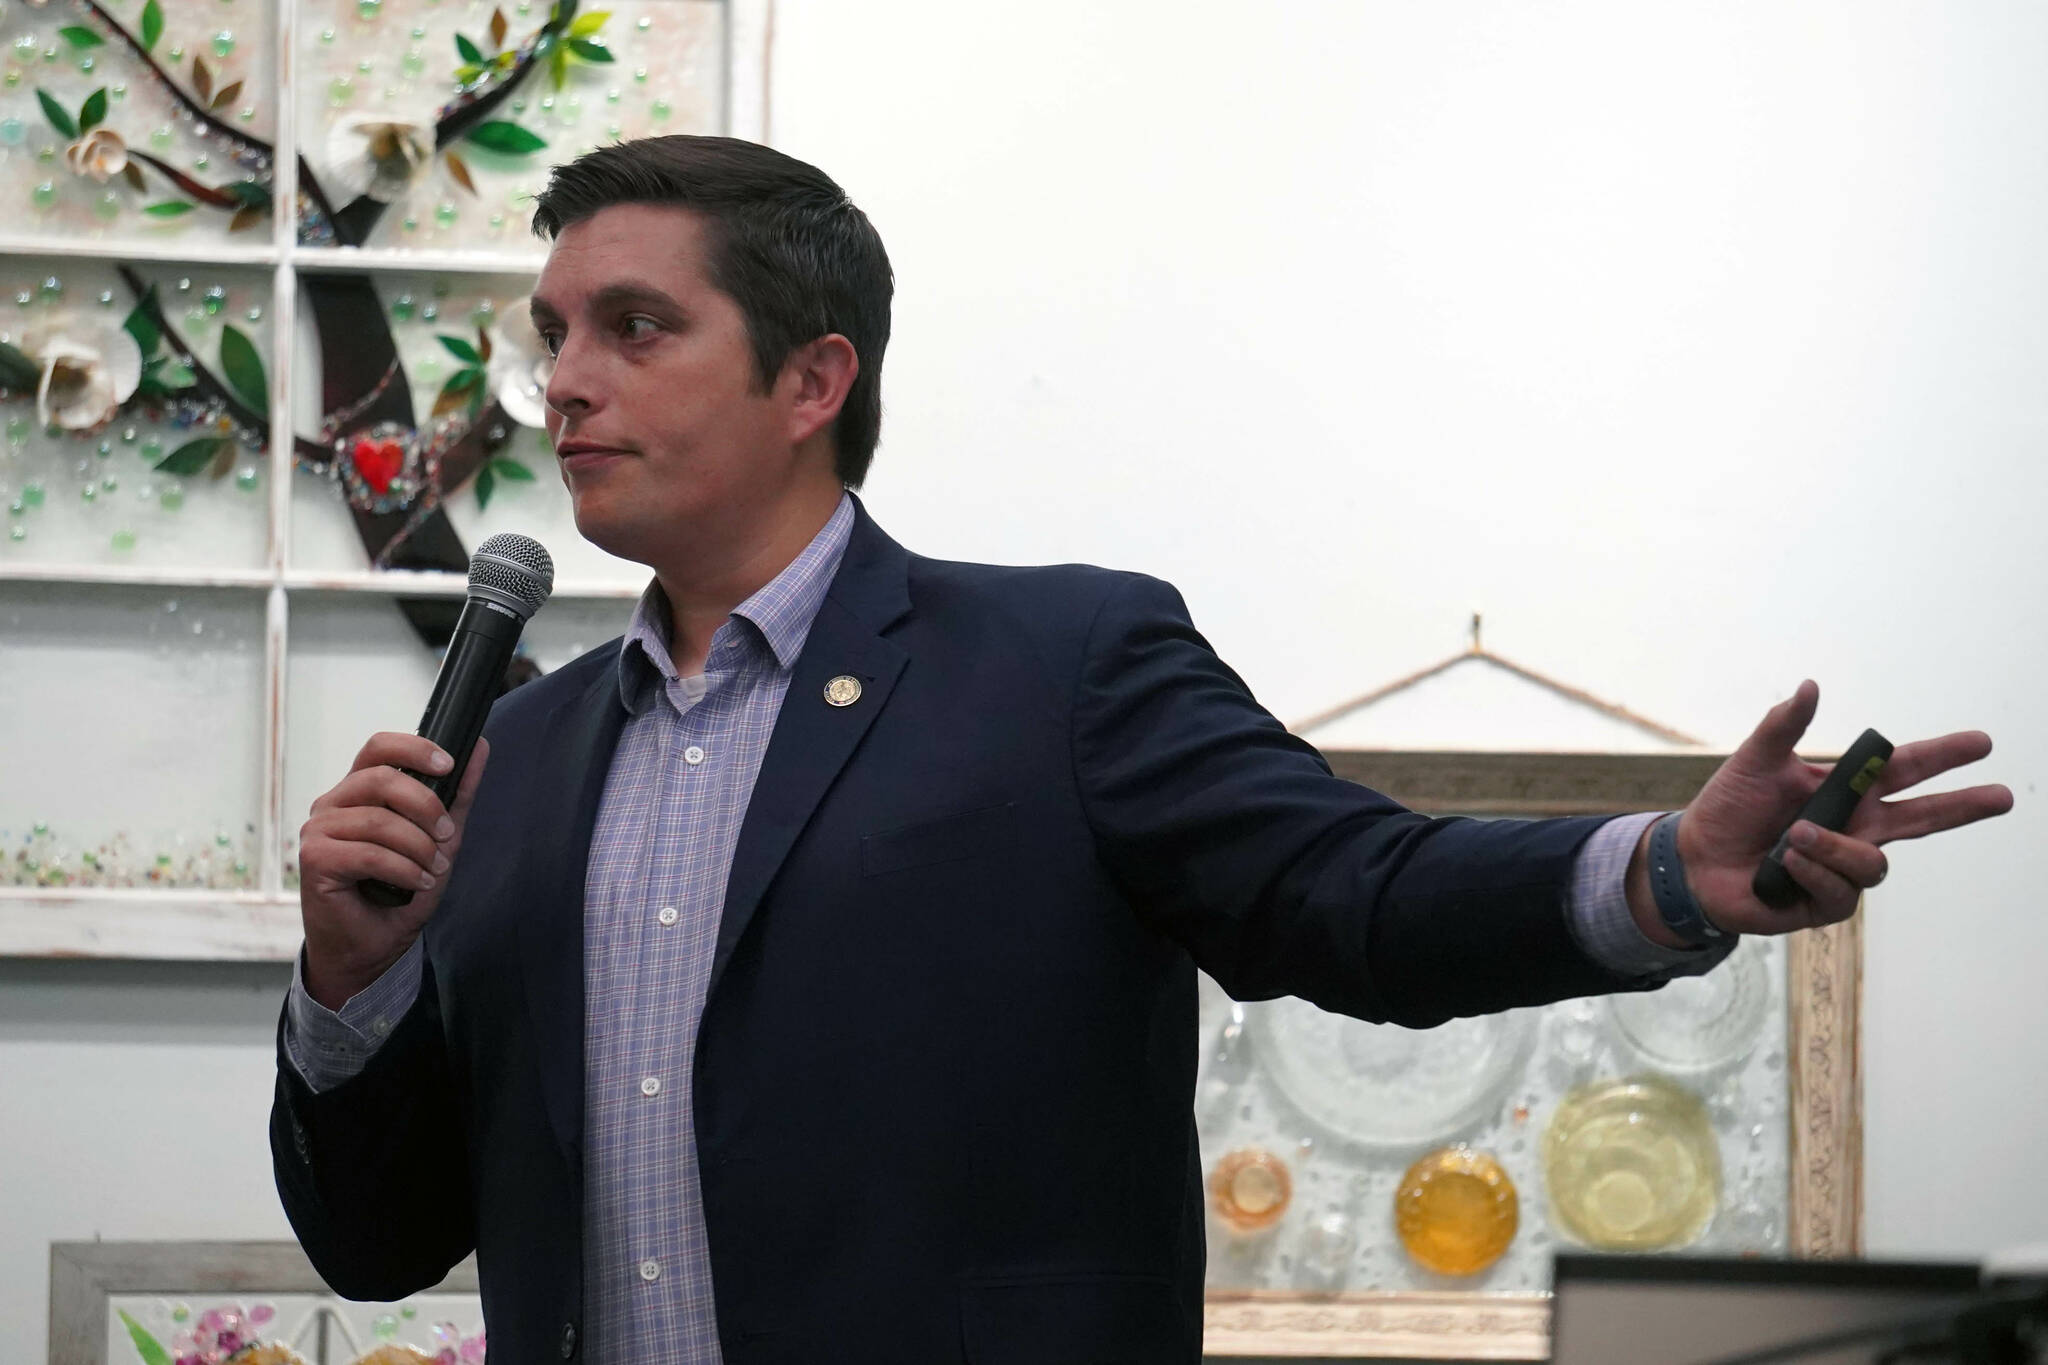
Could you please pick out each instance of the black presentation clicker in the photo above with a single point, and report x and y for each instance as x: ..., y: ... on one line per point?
x: 1830, y: 808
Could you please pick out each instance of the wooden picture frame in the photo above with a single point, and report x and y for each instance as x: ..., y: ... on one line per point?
x: 1824, y: 981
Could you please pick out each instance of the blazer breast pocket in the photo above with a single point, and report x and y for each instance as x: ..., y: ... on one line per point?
x: 950, y: 838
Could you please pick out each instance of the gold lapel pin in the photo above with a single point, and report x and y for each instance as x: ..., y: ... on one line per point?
x: 843, y: 690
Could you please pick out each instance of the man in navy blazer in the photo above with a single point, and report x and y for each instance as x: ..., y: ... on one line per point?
x: 941, y: 1023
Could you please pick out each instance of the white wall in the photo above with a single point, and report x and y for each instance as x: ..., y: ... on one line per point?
x: 1699, y: 346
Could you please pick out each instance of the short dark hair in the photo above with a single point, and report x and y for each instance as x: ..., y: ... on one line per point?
x: 787, y: 246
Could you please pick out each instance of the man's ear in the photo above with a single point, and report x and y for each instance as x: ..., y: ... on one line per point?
x: 818, y: 375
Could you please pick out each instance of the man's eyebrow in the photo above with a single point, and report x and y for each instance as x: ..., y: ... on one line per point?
x: 611, y: 296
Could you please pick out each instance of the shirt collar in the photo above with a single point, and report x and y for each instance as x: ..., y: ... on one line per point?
x: 782, y: 612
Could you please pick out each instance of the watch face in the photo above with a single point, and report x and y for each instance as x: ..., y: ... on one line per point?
x: 1631, y: 1165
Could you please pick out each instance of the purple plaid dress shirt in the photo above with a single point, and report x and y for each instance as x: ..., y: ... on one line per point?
x: 677, y: 792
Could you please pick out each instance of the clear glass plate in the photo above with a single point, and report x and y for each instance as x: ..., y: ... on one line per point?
x: 1384, y: 1085
x: 1699, y: 1023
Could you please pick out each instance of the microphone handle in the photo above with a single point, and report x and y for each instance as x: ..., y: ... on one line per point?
x: 472, y: 672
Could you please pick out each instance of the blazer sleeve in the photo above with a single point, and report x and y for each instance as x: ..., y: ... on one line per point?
x: 1233, y: 837
x: 374, y: 1173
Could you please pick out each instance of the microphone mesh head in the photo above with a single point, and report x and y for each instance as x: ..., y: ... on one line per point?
x: 514, y: 570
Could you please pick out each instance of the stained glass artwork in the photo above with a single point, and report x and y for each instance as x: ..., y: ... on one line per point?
x: 169, y: 684
x: 294, y: 1329
x: 137, y: 433
x: 1416, y: 1160
x: 149, y: 127
x: 431, y: 126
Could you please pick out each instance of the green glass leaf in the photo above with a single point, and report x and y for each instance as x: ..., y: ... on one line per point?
x: 509, y: 138
x: 589, y: 51
x: 249, y: 194
x: 179, y: 376
x: 587, y: 24
x: 509, y: 468
x: 57, y: 114
x: 486, y: 484
x: 192, y: 457
x: 148, y: 1347
x: 142, y: 326
x: 468, y: 72
x: 79, y: 36
x: 470, y: 51
x: 168, y: 208
x: 17, y: 371
x: 461, y: 350
x: 244, y: 370
x: 558, y: 66
x: 93, y: 110
x: 152, y: 24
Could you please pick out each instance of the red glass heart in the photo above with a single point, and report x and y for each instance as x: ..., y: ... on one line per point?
x: 378, y: 463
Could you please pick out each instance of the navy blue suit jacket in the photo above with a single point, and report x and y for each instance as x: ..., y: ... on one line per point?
x: 944, y: 1075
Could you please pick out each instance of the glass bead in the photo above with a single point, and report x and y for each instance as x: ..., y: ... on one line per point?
x: 16, y: 506
x: 32, y: 495
x: 385, y: 1328
x: 88, y: 493
x: 106, y: 206
x: 640, y: 75
x: 181, y: 1313
x: 428, y: 370
x: 184, y: 284
x: 46, y: 155
x: 246, y: 478
x: 25, y: 47
x: 128, y: 435
x: 444, y: 213
x: 18, y: 429
x: 177, y: 52
x: 613, y: 95
x: 86, y: 64
x: 50, y: 54
x: 409, y: 223
x: 104, y: 449
x: 659, y: 109
x: 119, y: 90
x: 547, y: 104
x: 254, y: 313
x: 124, y: 540
x: 223, y: 43
x: 363, y: 67
x: 497, y: 221
x: 152, y: 450
x: 419, y: 31
x: 644, y: 24
x: 24, y: 297
x: 483, y: 314
x: 247, y: 113
x: 430, y: 312
x: 110, y: 485
x: 160, y: 137
x: 402, y: 308
x: 106, y: 298
x: 326, y: 35
x: 339, y: 89
x: 52, y: 289
x: 12, y: 80
x: 614, y: 131
x: 367, y: 10
x: 12, y: 131
x: 172, y: 498
x: 524, y: 7
x: 413, y: 63
x: 216, y: 299
x: 202, y: 161
x: 43, y: 195
x: 17, y: 532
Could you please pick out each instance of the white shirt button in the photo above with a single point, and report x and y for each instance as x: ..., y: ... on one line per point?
x: 381, y: 1027
x: 693, y: 755
x: 651, y: 1086
x: 668, y: 915
x: 650, y: 1270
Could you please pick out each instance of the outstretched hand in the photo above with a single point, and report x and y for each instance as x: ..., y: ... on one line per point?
x: 1737, y: 818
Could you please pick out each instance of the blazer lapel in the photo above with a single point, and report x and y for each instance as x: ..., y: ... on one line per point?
x: 813, y: 739
x: 575, y: 759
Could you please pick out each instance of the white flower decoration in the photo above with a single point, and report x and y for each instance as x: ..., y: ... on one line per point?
x: 90, y: 367
x: 378, y: 155
x: 100, y: 154
x: 520, y: 367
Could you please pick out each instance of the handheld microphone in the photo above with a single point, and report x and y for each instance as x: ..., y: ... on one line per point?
x: 510, y: 578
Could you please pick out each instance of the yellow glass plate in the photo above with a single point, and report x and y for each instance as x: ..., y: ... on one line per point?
x: 1631, y: 1165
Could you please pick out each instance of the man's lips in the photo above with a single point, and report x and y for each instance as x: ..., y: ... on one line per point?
x: 578, y: 455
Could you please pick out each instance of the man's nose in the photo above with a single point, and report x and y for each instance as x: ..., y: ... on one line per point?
x: 571, y: 387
